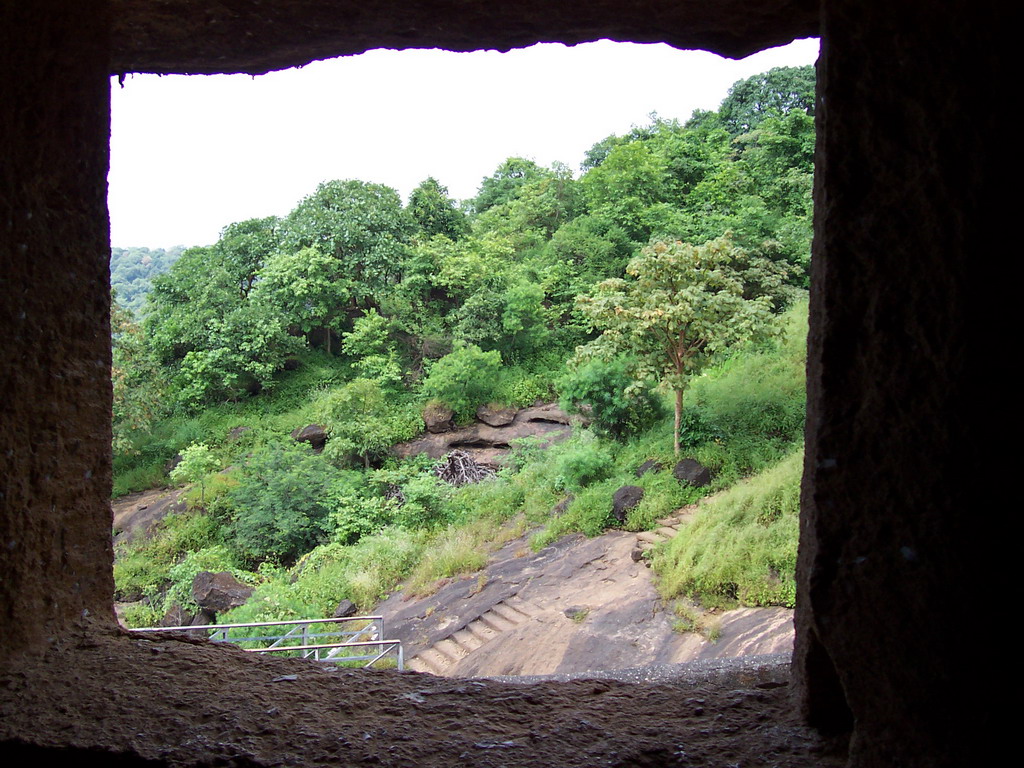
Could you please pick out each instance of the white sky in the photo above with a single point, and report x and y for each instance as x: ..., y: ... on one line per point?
x: 190, y: 155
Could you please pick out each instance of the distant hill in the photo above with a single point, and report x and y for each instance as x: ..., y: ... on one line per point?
x: 132, y: 270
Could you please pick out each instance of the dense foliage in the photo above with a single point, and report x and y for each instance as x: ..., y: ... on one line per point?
x: 668, y: 260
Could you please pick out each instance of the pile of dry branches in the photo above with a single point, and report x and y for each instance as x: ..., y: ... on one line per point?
x: 459, y: 468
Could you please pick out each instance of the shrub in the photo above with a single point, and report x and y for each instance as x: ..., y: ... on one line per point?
x: 599, y: 387
x: 582, y: 463
x: 283, y: 502
x: 463, y: 379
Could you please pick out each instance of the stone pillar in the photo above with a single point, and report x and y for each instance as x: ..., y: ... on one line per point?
x: 902, y: 288
x: 55, y: 520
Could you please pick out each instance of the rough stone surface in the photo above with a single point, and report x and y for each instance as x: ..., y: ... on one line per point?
x: 693, y: 472
x: 438, y: 418
x: 903, y: 366
x: 235, y: 434
x: 890, y: 546
x: 314, y: 434
x: 495, y: 417
x: 345, y: 608
x: 55, y: 392
x: 489, y: 445
x: 196, y: 37
x: 580, y: 605
x: 191, y: 704
x: 219, y: 592
x: 627, y: 497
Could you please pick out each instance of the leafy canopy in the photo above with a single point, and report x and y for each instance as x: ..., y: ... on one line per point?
x: 683, y: 305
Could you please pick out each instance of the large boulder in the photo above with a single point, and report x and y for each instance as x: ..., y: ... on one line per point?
x: 693, y: 472
x: 627, y: 497
x: 345, y: 609
x: 218, y: 592
x: 438, y: 418
x: 495, y: 417
x: 314, y: 434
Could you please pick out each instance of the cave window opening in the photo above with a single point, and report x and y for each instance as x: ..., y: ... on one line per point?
x: 253, y: 178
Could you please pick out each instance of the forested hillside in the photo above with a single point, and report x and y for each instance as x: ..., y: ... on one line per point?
x: 132, y: 271
x: 628, y: 290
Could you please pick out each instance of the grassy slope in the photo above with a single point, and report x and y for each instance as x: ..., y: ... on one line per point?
x: 743, y: 416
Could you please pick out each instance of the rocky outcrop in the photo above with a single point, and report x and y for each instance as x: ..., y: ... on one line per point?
x: 438, y: 418
x: 494, y: 416
x: 489, y: 445
x: 651, y: 465
x: 219, y: 592
x: 693, y: 472
x: 314, y: 434
x: 627, y: 497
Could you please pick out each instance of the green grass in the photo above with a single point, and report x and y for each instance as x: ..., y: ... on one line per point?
x: 741, y: 546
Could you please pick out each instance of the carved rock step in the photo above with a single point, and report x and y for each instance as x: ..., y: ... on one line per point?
x: 449, y: 651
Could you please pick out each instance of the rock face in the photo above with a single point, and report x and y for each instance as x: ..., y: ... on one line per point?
x: 345, y: 608
x: 313, y: 434
x: 495, y: 417
x: 219, y: 592
x: 627, y: 497
x: 693, y: 472
x: 437, y: 418
x: 489, y: 445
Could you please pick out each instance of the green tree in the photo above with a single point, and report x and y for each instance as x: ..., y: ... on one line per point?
x: 505, y: 184
x: 436, y: 213
x: 683, y: 305
x: 361, y: 225
x: 370, y: 343
x: 308, y: 289
x: 777, y: 91
x: 362, y: 421
x: 138, y: 381
x: 283, y: 500
x: 245, y: 247
x: 605, y: 390
x: 197, y: 461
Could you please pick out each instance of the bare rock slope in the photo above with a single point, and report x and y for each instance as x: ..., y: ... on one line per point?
x: 579, y: 606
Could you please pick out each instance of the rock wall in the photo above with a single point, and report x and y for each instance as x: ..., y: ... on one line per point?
x: 200, y: 36
x: 906, y: 282
x: 891, y: 545
x: 55, y: 519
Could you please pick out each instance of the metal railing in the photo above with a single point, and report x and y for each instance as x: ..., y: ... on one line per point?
x: 361, y: 643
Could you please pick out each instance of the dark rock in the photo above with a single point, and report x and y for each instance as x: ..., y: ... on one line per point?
x: 651, y: 465
x: 313, y: 434
x: 693, y: 472
x: 175, y: 461
x: 627, y: 497
x: 495, y: 417
x: 636, y: 555
x: 219, y: 592
x: 236, y: 434
x: 345, y: 608
x: 437, y: 418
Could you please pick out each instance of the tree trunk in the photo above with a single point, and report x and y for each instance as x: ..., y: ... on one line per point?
x: 679, y: 420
